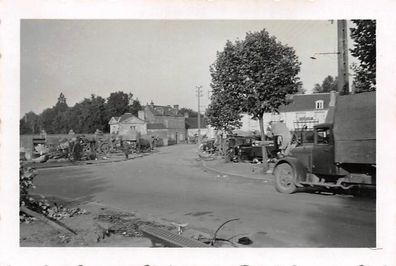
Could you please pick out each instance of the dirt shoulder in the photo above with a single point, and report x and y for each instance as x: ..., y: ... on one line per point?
x: 100, y: 226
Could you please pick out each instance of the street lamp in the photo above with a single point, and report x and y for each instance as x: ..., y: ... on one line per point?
x: 314, y: 58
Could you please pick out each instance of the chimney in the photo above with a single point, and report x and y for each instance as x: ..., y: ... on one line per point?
x: 176, y: 107
x: 333, y: 96
x: 141, y: 115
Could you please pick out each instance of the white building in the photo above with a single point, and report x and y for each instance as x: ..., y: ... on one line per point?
x: 304, y: 110
x: 192, y: 128
x: 127, y: 122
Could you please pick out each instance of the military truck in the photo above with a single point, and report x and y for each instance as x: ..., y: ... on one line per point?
x: 343, y: 154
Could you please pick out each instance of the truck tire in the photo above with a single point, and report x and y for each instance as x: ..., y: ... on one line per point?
x: 285, y: 178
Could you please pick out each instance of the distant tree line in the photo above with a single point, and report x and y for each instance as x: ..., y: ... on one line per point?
x: 329, y: 84
x: 190, y: 112
x: 84, y: 117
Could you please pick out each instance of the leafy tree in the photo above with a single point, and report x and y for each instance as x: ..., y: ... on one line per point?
x: 329, y: 84
x: 98, y: 114
x: 30, y: 123
x: 364, y: 36
x: 190, y: 112
x: 61, y: 105
x: 60, y: 124
x: 300, y: 89
x: 54, y: 120
x: 118, y: 103
x: 135, y: 107
x: 317, y: 88
x: 88, y: 115
x: 47, y: 120
x: 222, y: 116
x: 84, y: 117
x: 255, y: 75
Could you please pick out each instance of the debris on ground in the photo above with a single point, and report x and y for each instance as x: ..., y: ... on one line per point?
x: 245, y: 241
x: 60, y: 212
x: 126, y: 224
x: 52, y: 210
x: 82, y: 148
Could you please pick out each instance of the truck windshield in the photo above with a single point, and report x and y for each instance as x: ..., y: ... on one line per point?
x: 323, y: 136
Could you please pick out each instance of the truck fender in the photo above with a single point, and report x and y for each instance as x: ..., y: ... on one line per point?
x: 298, y: 167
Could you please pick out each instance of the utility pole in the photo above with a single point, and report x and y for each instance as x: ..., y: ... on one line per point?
x: 199, y: 95
x: 343, y: 66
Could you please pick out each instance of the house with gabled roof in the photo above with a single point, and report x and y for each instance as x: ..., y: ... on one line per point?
x: 161, y: 122
x: 303, y: 111
x: 127, y: 124
x: 164, y: 122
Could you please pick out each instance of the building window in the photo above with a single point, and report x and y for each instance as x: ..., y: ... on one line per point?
x: 319, y: 104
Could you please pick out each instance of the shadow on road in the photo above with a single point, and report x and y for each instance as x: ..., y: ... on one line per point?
x: 72, y: 183
x: 350, y: 221
x: 356, y: 228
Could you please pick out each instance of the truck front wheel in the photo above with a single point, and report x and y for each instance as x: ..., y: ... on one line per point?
x: 285, y: 178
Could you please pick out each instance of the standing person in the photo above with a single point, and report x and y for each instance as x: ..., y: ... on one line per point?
x: 124, y: 147
x: 152, y: 142
x: 282, y: 136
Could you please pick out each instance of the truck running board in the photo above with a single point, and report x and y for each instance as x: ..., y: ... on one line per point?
x: 327, y: 185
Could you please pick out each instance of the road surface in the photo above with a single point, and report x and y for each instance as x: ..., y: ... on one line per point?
x: 172, y: 184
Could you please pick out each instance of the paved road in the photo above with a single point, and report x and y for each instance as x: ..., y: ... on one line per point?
x: 171, y: 184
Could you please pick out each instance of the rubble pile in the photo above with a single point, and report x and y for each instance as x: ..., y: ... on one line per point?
x: 60, y: 212
x: 82, y: 148
x: 126, y: 224
x: 54, y: 211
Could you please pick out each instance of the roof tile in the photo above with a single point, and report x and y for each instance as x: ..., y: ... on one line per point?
x: 305, y: 102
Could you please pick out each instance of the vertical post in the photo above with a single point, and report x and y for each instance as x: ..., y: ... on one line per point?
x: 343, y: 66
x: 199, y: 95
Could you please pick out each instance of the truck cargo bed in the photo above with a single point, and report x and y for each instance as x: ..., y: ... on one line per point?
x: 355, y: 129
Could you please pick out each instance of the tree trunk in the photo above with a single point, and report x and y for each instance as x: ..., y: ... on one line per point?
x: 264, y: 150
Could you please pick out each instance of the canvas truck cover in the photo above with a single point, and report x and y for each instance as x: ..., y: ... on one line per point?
x: 355, y: 128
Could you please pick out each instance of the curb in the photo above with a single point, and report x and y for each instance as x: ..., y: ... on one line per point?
x: 232, y: 174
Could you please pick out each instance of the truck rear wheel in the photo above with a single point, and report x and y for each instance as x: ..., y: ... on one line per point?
x: 285, y: 178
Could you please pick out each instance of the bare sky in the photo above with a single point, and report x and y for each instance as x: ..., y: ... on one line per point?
x: 159, y: 60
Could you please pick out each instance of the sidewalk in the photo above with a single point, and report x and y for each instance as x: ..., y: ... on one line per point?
x: 241, y: 169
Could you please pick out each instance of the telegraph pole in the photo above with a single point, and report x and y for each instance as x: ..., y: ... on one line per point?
x: 343, y: 66
x: 199, y: 95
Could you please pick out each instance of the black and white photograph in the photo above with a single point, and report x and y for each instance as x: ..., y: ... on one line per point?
x: 199, y: 134
x: 226, y: 133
